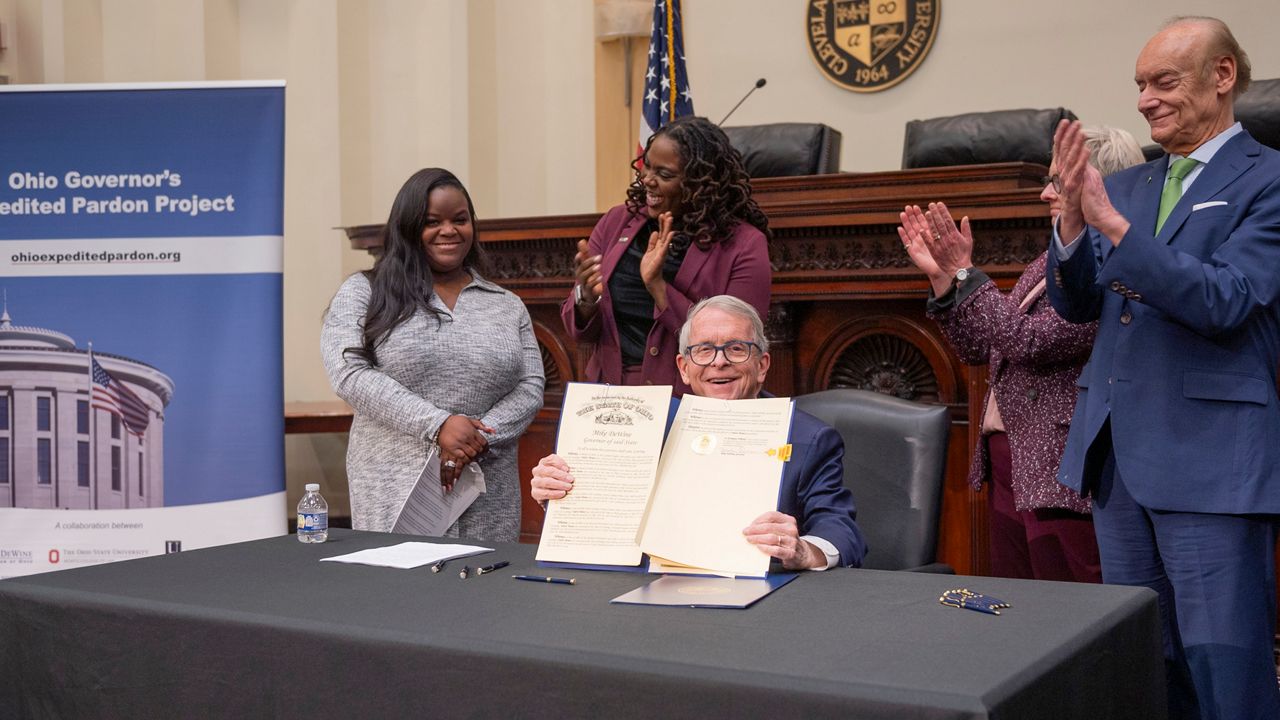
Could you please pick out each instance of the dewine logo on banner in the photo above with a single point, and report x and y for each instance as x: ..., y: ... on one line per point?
x: 870, y: 45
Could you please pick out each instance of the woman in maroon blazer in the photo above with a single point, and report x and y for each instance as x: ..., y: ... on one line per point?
x: 689, y: 230
x: 1039, y: 528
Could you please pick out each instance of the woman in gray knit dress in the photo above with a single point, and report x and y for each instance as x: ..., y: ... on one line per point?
x: 430, y: 354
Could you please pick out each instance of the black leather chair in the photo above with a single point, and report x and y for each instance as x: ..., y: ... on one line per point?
x: 895, y: 458
x: 1152, y: 152
x: 784, y: 149
x: 982, y: 137
x: 1258, y: 109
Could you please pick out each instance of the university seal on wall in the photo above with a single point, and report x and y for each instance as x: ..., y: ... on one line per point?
x: 870, y: 45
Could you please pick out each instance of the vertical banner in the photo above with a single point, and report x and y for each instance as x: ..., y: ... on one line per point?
x: 141, y: 396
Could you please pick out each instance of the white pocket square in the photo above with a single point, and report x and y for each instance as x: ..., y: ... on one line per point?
x: 1211, y: 203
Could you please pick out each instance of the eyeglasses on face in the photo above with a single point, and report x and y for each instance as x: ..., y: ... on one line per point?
x: 735, y: 351
x: 1053, y: 180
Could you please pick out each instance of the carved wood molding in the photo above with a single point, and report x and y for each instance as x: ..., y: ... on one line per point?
x: 851, y: 251
x: 557, y: 359
x: 843, y: 224
x: 887, y: 354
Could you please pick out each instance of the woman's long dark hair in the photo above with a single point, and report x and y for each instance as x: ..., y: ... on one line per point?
x: 716, y: 192
x: 401, y: 279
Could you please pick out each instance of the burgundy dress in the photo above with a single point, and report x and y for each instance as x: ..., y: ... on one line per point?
x: 1039, y: 528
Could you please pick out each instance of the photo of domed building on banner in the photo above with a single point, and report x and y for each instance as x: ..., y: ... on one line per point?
x: 79, y: 428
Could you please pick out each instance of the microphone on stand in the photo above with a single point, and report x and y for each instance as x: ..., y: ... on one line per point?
x: 759, y: 84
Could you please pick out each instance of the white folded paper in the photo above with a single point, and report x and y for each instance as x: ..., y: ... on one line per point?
x: 408, y: 554
x: 428, y: 509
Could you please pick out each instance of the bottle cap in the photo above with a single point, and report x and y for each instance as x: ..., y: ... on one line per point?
x: 313, y: 487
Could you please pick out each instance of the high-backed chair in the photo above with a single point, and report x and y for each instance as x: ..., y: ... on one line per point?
x: 1258, y: 109
x: 784, y: 149
x: 982, y: 137
x: 895, y: 457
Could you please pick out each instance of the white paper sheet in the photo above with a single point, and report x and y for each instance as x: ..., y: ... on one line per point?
x: 428, y: 509
x: 611, y: 437
x: 720, y: 469
x: 408, y: 554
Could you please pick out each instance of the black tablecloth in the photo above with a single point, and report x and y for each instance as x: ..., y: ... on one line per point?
x: 261, y: 629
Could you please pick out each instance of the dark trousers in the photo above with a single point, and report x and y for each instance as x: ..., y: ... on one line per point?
x: 1215, y: 575
x: 1038, y: 544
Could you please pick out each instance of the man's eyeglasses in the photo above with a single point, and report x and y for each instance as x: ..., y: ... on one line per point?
x: 735, y: 351
x: 1053, y: 180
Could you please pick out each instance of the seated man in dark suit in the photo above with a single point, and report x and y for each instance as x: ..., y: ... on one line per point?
x: 725, y: 355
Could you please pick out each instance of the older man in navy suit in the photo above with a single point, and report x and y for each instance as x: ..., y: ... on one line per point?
x: 726, y: 355
x: 1176, y: 433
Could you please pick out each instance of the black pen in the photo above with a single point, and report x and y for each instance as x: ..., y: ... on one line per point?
x: 545, y: 579
x: 491, y: 568
x: 437, y: 567
x: 464, y: 572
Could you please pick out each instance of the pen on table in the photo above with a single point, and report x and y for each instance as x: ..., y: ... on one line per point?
x: 491, y: 568
x: 980, y: 607
x: 545, y: 579
x: 464, y: 572
x: 437, y: 567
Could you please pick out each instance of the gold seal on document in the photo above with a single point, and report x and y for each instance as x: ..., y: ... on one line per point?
x: 870, y: 45
x: 705, y: 444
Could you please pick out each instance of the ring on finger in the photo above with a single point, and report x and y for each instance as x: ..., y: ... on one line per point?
x: 450, y: 464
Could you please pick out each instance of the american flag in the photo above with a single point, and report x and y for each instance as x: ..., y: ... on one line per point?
x: 113, y: 396
x: 666, y: 84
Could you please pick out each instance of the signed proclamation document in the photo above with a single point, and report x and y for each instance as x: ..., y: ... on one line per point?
x: 611, y: 437
x: 721, y: 469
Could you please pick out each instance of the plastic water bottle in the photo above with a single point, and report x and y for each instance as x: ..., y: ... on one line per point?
x: 313, y: 516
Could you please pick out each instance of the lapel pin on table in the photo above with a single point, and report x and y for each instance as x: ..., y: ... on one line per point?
x: 491, y: 568
x: 969, y: 600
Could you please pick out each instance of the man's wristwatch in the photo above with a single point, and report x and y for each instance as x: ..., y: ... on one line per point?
x: 579, y: 299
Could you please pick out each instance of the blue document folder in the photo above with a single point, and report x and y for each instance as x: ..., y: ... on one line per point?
x: 699, y: 591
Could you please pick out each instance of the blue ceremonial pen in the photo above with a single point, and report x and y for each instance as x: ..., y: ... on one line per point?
x: 545, y: 579
x: 979, y: 607
x: 491, y: 568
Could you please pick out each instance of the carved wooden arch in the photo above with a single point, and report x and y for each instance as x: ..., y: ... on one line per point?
x: 888, y: 354
x: 557, y: 361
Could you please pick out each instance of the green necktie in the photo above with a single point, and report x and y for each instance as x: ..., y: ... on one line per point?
x: 1173, y: 189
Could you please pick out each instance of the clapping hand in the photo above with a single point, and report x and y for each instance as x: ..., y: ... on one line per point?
x: 935, y: 244
x: 1084, y: 197
x: 586, y: 271
x: 654, y: 257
